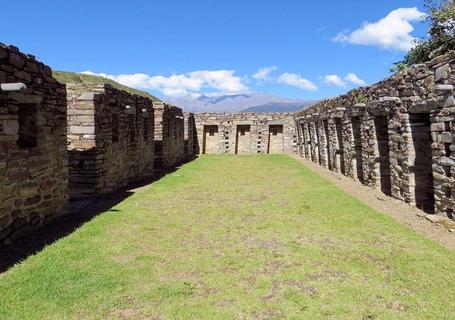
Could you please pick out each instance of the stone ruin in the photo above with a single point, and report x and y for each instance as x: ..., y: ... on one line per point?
x: 246, y: 133
x: 33, y: 156
x: 397, y: 135
x: 169, y: 135
x: 191, y: 146
x: 110, y: 138
x: 86, y: 140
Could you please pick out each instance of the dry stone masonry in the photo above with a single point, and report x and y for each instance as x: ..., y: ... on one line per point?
x: 169, y: 135
x: 33, y: 156
x: 246, y: 133
x: 91, y: 139
x: 397, y: 135
x: 190, y: 136
x: 110, y: 138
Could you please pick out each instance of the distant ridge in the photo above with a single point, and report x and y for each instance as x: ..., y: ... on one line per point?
x: 279, y: 107
x: 243, y: 102
x: 73, y: 77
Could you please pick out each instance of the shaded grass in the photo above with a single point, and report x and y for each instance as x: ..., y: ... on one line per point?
x: 236, y: 237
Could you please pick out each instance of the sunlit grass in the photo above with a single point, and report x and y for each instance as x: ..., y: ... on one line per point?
x: 236, y: 237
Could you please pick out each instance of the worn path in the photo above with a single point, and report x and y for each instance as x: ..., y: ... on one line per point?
x: 236, y: 237
x: 433, y: 227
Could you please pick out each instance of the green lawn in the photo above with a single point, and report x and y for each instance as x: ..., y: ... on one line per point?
x: 236, y: 237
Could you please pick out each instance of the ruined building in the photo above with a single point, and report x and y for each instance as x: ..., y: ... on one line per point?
x: 397, y: 135
x: 169, y: 135
x: 110, y: 138
x: 87, y: 140
x: 246, y: 133
x: 191, y: 145
x: 33, y: 156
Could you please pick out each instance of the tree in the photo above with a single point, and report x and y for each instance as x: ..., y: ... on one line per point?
x: 441, y: 17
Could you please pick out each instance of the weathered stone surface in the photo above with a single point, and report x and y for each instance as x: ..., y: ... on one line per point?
x: 32, y: 146
x: 446, y: 137
x: 443, y: 87
x: 109, y: 144
x: 81, y: 129
x: 246, y: 133
x: 442, y: 73
x: 169, y: 135
x: 401, y: 142
x: 10, y: 127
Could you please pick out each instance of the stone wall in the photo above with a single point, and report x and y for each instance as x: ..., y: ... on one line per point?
x: 190, y: 136
x: 246, y: 133
x: 397, y: 135
x: 110, y: 138
x: 33, y: 158
x: 169, y: 135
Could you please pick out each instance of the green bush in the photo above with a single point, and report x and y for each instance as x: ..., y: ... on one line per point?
x: 441, y: 16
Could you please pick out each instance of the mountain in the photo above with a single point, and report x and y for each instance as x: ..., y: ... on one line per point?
x: 233, y: 102
x: 279, y: 107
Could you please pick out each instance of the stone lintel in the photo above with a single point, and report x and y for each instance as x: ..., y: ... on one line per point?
x: 424, y: 107
x: 396, y: 100
x: 89, y: 96
x: 443, y: 87
x: 277, y: 122
x: 243, y: 122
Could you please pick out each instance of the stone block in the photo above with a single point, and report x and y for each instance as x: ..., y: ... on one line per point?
x: 447, y: 137
x: 442, y: 73
x: 31, y: 150
x: 10, y: 127
x: 82, y: 129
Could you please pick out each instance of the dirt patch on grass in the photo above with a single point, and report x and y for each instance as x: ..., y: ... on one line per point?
x: 226, y: 303
x: 279, y: 287
x: 397, y: 306
x: 398, y: 210
x: 327, y: 275
x: 268, y: 314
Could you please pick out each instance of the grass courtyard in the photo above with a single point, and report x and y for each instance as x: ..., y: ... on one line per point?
x: 236, y: 237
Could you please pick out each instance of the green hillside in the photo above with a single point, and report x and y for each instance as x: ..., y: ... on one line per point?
x: 73, y: 77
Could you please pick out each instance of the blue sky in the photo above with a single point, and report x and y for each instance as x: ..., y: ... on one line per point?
x: 306, y: 49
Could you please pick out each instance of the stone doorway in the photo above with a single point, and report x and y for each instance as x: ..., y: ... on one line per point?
x: 357, y: 150
x: 327, y: 144
x: 319, y: 144
x: 243, y: 140
x: 276, y: 144
x: 420, y: 158
x: 27, y: 126
x: 381, y: 125
x: 313, y: 148
x: 210, y: 140
x: 340, y: 148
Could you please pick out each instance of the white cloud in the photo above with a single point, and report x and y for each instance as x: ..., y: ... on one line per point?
x: 264, y: 73
x: 354, y: 79
x: 222, y: 81
x: 391, y: 32
x: 334, y: 80
x: 297, y: 81
x: 290, y: 79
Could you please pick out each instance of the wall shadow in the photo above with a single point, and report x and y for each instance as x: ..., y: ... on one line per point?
x: 80, y: 212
